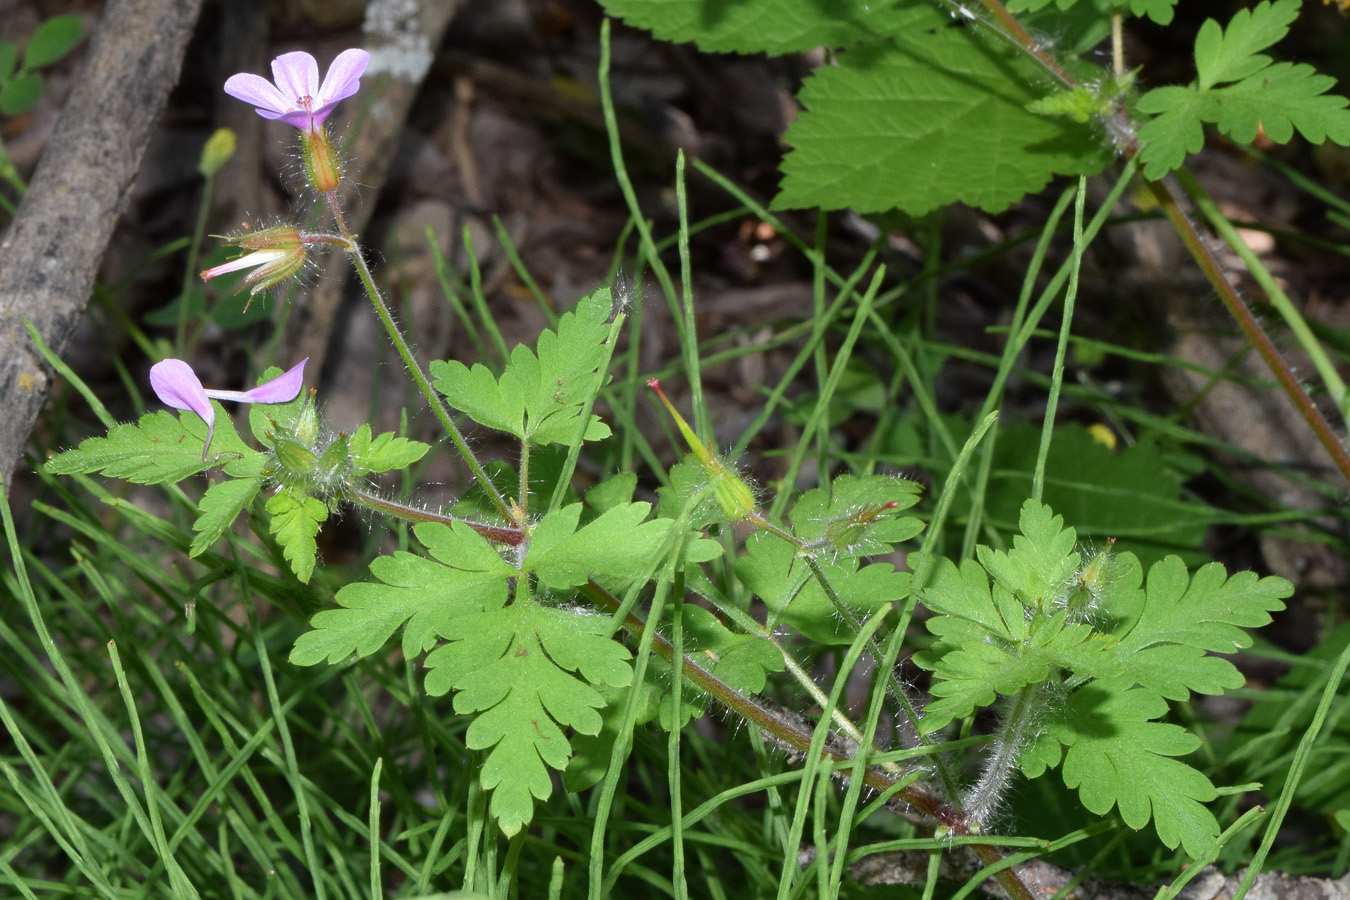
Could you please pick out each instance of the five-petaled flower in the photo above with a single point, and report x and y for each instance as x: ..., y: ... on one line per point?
x: 178, y: 386
x: 297, y: 98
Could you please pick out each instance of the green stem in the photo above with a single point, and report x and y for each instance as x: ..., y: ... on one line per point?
x: 1118, y: 124
x: 405, y: 353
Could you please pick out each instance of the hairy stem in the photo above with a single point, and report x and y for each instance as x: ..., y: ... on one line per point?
x: 1118, y: 125
x: 791, y: 734
x: 405, y: 353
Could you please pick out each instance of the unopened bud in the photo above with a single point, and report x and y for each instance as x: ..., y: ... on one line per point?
x: 322, y: 165
x: 297, y: 459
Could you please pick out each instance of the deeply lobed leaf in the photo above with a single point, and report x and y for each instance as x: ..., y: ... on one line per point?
x: 513, y: 667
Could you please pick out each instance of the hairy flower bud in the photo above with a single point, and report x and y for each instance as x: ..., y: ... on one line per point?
x: 323, y: 167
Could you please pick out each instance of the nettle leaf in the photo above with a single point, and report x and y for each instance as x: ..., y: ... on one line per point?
x: 512, y: 667
x: 936, y: 118
x: 296, y: 518
x: 1241, y: 91
x: 219, y: 507
x: 774, y: 26
x: 772, y: 569
x: 538, y: 398
x: 1042, y: 562
x: 851, y: 517
x: 1184, y: 618
x: 617, y: 544
x: 383, y: 453
x: 1160, y: 11
x: 464, y: 575
x: 1117, y: 756
x: 161, y: 447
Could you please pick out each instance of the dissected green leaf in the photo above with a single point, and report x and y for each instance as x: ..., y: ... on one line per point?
x: 1241, y: 91
x: 1164, y: 646
x: 1118, y: 756
x: 162, y: 447
x: 938, y: 118
x: 1232, y: 53
x: 219, y: 507
x: 538, y: 398
x: 384, y: 452
x: 620, y: 544
x: 296, y: 518
x: 512, y: 666
x: 775, y: 26
x: 464, y: 575
x: 783, y: 580
x: 1042, y: 562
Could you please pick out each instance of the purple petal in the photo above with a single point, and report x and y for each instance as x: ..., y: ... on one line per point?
x: 297, y: 76
x: 176, y: 385
x: 282, y: 389
x: 344, y: 76
x: 271, y: 103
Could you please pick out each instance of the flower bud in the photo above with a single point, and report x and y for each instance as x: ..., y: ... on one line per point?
x: 295, y: 458
x: 217, y: 151
x: 322, y: 165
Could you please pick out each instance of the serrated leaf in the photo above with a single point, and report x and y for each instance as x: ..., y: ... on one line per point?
x: 464, y: 575
x: 384, y: 452
x: 1231, y: 54
x: 161, y: 447
x: 513, y: 667
x: 296, y: 518
x: 617, y: 544
x: 538, y: 398
x: 774, y: 26
x: 937, y: 119
x: 219, y: 507
x: 53, y: 39
x: 1184, y: 617
x: 772, y: 569
x: 1119, y: 757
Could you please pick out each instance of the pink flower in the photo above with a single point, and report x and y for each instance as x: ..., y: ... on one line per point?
x: 174, y: 383
x: 297, y: 98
